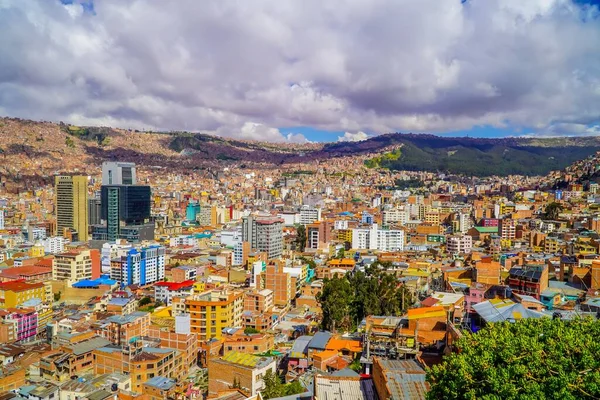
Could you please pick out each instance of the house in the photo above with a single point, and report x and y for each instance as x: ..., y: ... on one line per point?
x: 238, y: 369
x: 399, y: 379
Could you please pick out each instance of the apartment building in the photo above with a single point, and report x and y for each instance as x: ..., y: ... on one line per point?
x: 373, y: 238
x: 139, y: 266
x: 186, y: 343
x: 309, y: 215
x: 212, y: 311
x: 76, y: 265
x: 54, y: 244
x: 120, y: 329
x: 279, y: 282
x: 15, y: 293
x: 141, y: 360
x: 25, y: 322
x: 166, y: 291
x: 264, y: 234
x: 507, y: 229
x: 459, y: 244
x: 395, y: 216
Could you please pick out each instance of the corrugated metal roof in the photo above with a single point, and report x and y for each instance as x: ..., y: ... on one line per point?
x: 332, y: 388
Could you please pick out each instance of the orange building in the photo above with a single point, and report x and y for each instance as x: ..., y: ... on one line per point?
x: 488, y: 271
x: 274, y: 279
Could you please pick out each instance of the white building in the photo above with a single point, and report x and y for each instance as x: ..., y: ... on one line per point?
x: 231, y: 238
x: 111, y: 251
x: 54, y: 244
x: 373, y: 238
x: 341, y: 224
x: 139, y: 266
x: 289, y: 218
x: 118, y: 173
x: 396, y: 215
x: 464, y: 222
x: 459, y: 244
x: 166, y: 291
x: 309, y: 214
x: 1, y: 219
x: 183, y: 240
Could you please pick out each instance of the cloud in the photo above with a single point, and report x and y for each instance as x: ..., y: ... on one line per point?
x: 353, y: 137
x: 240, y: 69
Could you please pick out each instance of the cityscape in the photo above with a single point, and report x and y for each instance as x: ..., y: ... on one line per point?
x: 268, y: 201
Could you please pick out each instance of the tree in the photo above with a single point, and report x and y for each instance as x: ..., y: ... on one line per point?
x: 348, y: 300
x: 300, y: 238
x: 145, y: 301
x: 293, y: 388
x: 341, y: 253
x: 57, y: 296
x: 552, y: 211
x: 250, y: 330
x: 532, y: 358
x: 273, y: 386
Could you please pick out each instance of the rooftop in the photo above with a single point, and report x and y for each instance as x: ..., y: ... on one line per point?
x: 161, y: 383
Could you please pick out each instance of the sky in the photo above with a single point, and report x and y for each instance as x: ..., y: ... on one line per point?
x: 297, y: 71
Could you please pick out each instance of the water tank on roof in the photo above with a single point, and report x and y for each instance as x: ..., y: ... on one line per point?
x: 114, y: 387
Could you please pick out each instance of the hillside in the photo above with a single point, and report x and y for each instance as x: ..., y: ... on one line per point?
x: 32, y: 152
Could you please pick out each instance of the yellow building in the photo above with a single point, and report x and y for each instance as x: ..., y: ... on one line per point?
x: 344, y: 235
x: 214, y: 310
x: 36, y: 251
x: 71, y: 205
x: 15, y: 293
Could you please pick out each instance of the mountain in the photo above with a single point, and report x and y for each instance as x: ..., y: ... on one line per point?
x: 33, y: 152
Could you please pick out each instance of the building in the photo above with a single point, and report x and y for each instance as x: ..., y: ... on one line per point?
x: 507, y: 229
x: 264, y: 234
x: 142, y: 360
x: 529, y: 280
x: 94, y: 211
x: 25, y: 322
x: 71, y: 205
x: 192, y: 211
x: 118, y: 173
x: 73, y: 358
x: 122, y: 206
x: 1, y: 219
x: 309, y: 215
x: 318, y: 235
x: 459, y: 244
x: 244, y: 370
x: 213, y: 311
x: 166, y: 291
x: 15, y: 293
x: 373, y: 238
x: 54, y: 244
x: 76, y: 265
x: 159, y: 388
x: 139, y: 266
x: 120, y: 329
x: 279, y: 282
x: 399, y: 379
x: 396, y: 215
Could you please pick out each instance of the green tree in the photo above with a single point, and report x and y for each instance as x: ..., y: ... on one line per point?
x: 341, y: 253
x: 145, y: 301
x: 348, y: 300
x: 273, y: 386
x: 293, y: 388
x: 335, y: 300
x: 250, y: 330
x: 57, y: 296
x: 530, y: 359
x: 300, y: 238
x: 552, y: 211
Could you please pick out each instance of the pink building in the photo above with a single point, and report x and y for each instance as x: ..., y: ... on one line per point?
x: 26, y: 321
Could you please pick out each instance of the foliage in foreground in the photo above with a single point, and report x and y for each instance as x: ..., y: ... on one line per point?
x: 531, y: 359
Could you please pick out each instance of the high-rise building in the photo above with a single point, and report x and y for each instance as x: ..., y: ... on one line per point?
x: 264, y: 234
x: 309, y: 214
x: 71, y: 205
x: 277, y: 280
x: 125, y: 206
x: 94, y: 210
x: 53, y: 245
x: 118, y: 173
x: 459, y: 244
x: 139, y: 266
x: 1, y: 219
x: 192, y: 210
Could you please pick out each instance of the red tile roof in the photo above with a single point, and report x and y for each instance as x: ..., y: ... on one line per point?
x: 20, y: 285
x: 176, y: 285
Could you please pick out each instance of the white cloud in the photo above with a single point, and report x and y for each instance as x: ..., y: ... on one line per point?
x: 241, y: 69
x: 353, y: 137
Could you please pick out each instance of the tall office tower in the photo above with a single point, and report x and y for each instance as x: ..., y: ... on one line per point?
x: 264, y: 234
x: 71, y: 205
x: 118, y: 173
x: 124, y: 205
x: 94, y: 210
x: 1, y: 219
